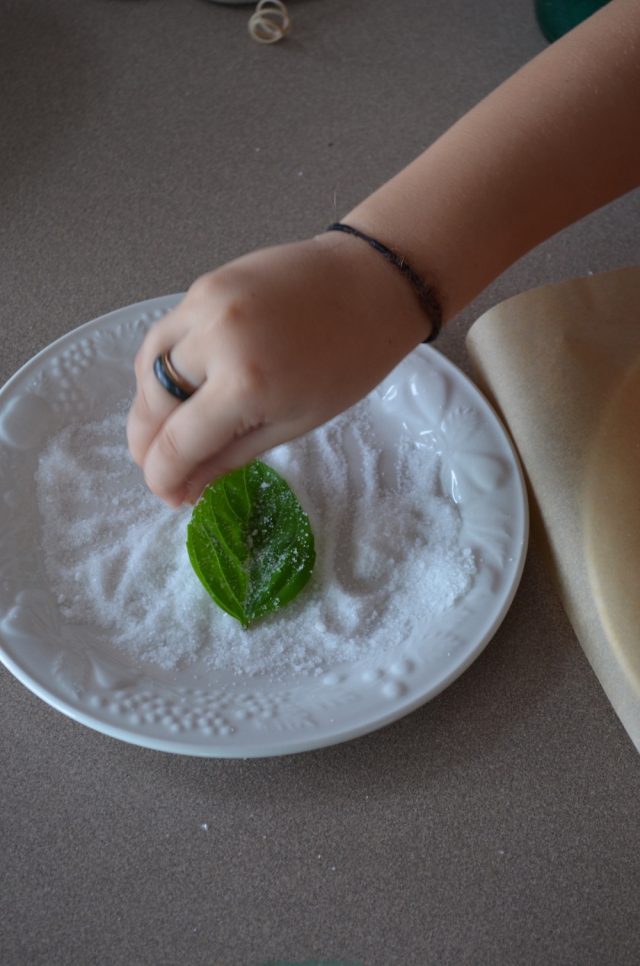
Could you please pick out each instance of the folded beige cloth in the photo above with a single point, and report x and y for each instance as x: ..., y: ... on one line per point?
x: 562, y: 365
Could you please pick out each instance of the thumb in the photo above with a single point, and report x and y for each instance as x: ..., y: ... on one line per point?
x: 237, y: 453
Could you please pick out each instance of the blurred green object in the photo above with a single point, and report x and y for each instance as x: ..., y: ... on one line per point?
x: 557, y: 17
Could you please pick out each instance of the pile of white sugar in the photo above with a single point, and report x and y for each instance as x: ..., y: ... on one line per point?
x: 389, y: 558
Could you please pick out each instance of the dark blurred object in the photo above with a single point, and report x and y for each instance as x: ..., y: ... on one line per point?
x: 557, y: 17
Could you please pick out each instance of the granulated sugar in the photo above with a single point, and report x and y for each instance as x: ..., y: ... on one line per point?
x: 388, y: 552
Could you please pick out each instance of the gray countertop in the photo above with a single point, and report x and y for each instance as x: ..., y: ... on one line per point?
x: 143, y: 142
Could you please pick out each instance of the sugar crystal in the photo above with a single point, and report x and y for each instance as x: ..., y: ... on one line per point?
x: 389, y: 557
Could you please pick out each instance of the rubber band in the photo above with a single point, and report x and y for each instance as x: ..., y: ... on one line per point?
x: 426, y: 295
x: 270, y: 22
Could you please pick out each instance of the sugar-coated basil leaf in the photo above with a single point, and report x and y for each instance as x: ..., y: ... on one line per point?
x: 250, y: 542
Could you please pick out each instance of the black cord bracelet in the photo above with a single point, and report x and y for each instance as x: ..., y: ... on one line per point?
x: 426, y: 295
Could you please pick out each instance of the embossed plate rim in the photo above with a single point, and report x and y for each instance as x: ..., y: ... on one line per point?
x: 385, y: 678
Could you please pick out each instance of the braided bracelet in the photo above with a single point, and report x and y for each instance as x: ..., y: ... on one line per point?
x: 426, y: 295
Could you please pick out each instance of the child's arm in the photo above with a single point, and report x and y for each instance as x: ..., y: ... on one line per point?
x: 557, y: 140
x: 281, y: 340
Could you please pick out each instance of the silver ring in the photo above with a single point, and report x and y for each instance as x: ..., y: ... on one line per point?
x: 170, y: 379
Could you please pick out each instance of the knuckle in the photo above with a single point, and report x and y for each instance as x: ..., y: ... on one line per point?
x: 162, y: 465
x: 204, y: 288
x: 152, y: 344
x: 249, y: 381
x: 140, y: 364
x: 168, y: 447
x: 223, y: 298
x: 236, y: 312
x: 143, y: 408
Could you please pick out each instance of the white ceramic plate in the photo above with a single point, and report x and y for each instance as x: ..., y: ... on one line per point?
x: 88, y: 373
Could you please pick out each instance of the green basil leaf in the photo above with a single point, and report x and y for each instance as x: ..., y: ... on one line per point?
x: 250, y: 542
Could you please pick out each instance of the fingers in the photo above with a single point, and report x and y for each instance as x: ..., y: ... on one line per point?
x: 194, y: 433
x: 253, y: 337
x: 168, y: 438
x: 182, y: 447
x: 151, y: 407
x: 237, y: 453
x: 153, y: 404
x: 164, y: 335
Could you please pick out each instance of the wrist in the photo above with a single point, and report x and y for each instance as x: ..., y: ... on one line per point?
x: 378, y: 288
x: 425, y: 294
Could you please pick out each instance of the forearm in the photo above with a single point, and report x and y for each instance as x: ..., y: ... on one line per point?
x: 557, y: 140
x: 281, y: 340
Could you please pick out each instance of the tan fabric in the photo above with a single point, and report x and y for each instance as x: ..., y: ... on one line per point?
x: 562, y: 365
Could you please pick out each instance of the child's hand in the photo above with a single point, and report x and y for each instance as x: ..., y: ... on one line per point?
x: 278, y: 342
